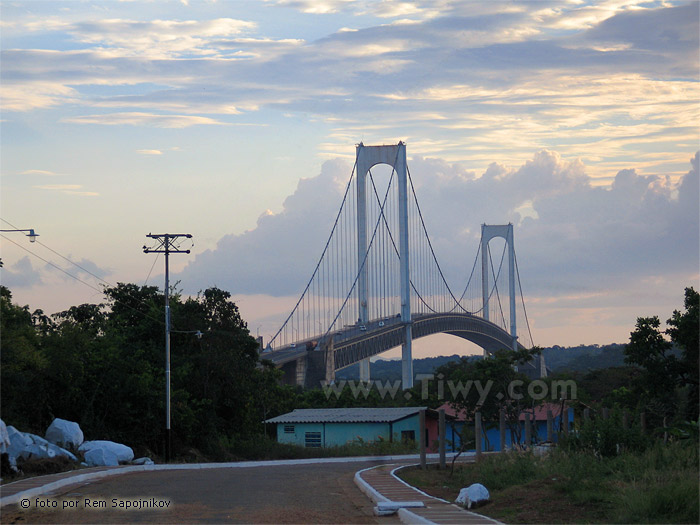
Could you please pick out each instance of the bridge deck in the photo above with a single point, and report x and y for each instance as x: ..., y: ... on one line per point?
x: 359, y: 342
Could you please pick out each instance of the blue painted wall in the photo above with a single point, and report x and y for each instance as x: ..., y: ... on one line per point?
x: 539, y: 434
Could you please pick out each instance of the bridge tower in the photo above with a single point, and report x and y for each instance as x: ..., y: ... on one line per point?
x: 394, y: 156
x: 488, y: 232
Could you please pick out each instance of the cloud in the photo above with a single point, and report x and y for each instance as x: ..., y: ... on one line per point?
x: 571, y: 231
x: 20, y: 275
x: 85, y: 268
x: 143, y: 119
x: 39, y: 172
x: 274, y: 257
x: 315, y: 6
x: 149, y: 151
x: 462, y: 82
x: 155, y: 38
x: 68, y: 189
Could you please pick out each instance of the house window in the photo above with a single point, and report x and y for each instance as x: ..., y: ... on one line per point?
x: 289, y: 429
x: 408, y: 435
x: 313, y: 439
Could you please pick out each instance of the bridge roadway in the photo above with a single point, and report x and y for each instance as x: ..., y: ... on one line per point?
x: 357, y: 342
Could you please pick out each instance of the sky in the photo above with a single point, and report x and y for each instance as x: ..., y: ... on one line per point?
x: 236, y: 122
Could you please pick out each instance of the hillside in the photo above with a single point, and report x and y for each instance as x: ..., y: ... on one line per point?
x: 582, y: 358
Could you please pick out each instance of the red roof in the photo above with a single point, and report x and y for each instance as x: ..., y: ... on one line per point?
x: 540, y: 411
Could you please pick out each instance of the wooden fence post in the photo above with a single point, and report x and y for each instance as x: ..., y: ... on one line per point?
x: 477, y: 434
x: 421, y: 441
x: 443, y: 437
x: 528, y: 430
x: 502, y: 429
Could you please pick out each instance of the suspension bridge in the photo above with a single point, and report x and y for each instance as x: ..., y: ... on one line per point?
x: 378, y: 284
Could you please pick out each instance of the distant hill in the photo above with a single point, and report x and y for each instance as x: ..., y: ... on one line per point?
x: 581, y: 358
x: 390, y: 370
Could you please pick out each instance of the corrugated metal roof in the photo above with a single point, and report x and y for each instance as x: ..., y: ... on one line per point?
x: 345, y: 415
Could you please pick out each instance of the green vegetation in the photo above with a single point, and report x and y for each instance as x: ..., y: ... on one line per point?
x: 657, y: 485
x: 267, y: 448
x: 102, y: 366
x: 610, y: 469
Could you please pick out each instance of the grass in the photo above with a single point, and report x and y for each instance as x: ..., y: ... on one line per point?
x: 659, y: 485
x: 266, y: 448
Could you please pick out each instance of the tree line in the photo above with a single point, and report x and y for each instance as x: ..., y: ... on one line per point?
x: 102, y: 365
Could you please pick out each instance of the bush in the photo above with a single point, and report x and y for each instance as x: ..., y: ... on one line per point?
x: 606, y: 437
x: 263, y: 447
x: 657, y: 485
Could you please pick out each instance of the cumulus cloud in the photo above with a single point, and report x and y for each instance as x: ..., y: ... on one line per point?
x: 275, y: 256
x: 85, y: 268
x: 572, y: 232
x: 20, y: 275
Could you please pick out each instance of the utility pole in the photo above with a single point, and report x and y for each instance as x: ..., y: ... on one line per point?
x: 166, y: 245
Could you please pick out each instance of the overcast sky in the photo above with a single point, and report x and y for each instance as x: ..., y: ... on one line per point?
x: 236, y: 121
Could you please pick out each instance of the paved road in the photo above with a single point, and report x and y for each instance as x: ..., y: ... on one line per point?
x: 320, y: 493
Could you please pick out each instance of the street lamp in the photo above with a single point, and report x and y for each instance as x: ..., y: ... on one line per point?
x: 32, y: 236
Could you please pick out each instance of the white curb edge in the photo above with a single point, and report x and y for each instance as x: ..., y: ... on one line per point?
x: 368, y: 489
x: 91, y: 476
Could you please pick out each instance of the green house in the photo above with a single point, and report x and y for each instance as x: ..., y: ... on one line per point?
x: 327, y: 427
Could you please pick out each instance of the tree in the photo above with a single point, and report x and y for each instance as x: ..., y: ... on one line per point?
x: 662, y: 370
x: 103, y: 366
x: 684, y: 330
x: 23, y: 366
x: 507, y: 388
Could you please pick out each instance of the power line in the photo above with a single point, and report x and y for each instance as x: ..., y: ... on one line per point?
x: 52, y: 264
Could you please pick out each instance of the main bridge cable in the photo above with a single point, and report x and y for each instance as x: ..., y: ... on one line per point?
x: 457, y: 302
x: 522, y: 298
x: 430, y: 245
x: 471, y: 275
x: 323, y: 254
x: 369, y: 246
x: 383, y: 218
x: 413, y: 286
x: 396, y: 251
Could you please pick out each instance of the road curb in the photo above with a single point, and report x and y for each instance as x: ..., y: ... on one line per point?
x: 407, y: 515
x: 91, y: 476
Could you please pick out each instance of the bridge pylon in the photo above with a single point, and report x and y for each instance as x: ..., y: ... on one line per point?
x: 394, y: 156
x: 488, y: 232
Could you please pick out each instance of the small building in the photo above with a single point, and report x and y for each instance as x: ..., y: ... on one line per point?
x: 491, y: 441
x: 328, y: 427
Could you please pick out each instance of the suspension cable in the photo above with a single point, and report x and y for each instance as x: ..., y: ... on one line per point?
x: 325, y: 249
x: 522, y: 298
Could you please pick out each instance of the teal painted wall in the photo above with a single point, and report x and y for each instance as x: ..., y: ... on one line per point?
x: 298, y: 437
x: 336, y: 434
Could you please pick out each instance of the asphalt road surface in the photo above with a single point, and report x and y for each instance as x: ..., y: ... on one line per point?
x: 319, y: 493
